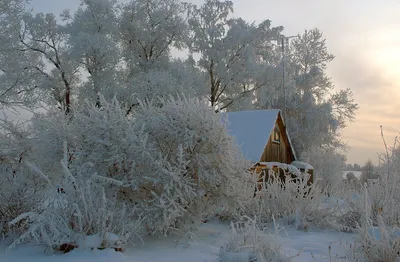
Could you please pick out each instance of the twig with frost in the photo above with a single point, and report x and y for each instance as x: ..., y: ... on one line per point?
x: 38, y: 172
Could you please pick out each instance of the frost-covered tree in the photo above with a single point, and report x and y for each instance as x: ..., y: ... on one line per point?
x: 228, y: 50
x: 92, y: 31
x: 315, y: 102
x: 108, y: 47
x: 178, y: 77
x: 328, y: 164
x: 315, y: 112
x: 350, y: 176
x: 41, y: 35
x: 19, y: 76
x: 310, y: 55
x: 368, y: 171
x: 149, y: 29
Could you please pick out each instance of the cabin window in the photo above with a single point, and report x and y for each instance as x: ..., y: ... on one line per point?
x: 277, y: 136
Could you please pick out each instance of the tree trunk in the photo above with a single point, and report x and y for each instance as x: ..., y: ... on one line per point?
x: 213, y: 87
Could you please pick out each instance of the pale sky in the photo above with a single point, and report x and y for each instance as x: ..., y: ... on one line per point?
x: 364, y: 35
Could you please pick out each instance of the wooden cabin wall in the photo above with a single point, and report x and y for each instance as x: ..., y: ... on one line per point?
x: 274, y: 152
x: 287, y: 152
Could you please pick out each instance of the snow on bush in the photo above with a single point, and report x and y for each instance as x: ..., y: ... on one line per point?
x: 373, y: 199
x: 351, y: 212
x: 86, y: 205
x: 167, y: 166
x: 383, y: 199
x: 379, y: 243
x: 328, y: 166
x: 383, y: 195
x: 376, y: 209
x: 203, y: 168
x: 293, y: 201
x: 20, y: 189
x: 249, y: 243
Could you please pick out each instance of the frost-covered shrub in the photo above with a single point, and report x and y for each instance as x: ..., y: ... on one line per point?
x: 196, y: 146
x: 47, y: 133
x: 20, y: 189
x: 352, y: 208
x: 378, y: 230
x: 85, y: 205
x: 328, y: 166
x: 379, y: 243
x: 349, y: 220
x: 293, y: 201
x: 377, y: 198
x: 383, y: 195
x: 172, y: 162
x: 249, y: 243
x: 18, y: 196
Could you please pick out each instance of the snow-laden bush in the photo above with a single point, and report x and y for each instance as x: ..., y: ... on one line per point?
x: 379, y: 243
x: 47, y: 133
x: 193, y: 140
x: 383, y: 199
x: 375, y: 198
x: 167, y: 166
x: 85, y: 205
x: 20, y: 189
x: 293, y: 201
x: 175, y: 158
x: 328, y: 166
x: 249, y: 243
x: 349, y: 219
x: 378, y: 229
x: 383, y: 195
x: 352, y: 207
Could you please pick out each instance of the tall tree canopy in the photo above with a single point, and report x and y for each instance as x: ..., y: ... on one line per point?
x: 316, y: 111
x: 127, y: 50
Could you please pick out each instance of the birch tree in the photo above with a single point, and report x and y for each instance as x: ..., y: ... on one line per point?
x: 19, y: 75
x: 92, y: 32
x: 42, y: 35
x: 149, y: 29
x: 317, y: 109
x: 315, y: 112
x: 228, y: 51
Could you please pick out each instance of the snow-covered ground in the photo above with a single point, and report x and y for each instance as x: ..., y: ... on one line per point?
x: 201, y: 246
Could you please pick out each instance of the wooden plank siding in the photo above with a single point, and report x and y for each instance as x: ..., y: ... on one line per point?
x: 278, y: 151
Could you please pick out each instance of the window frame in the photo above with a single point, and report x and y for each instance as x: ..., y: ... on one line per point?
x: 277, y: 136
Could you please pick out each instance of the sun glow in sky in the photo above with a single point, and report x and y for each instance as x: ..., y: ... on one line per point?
x: 364, y: 35
x: 380, y: 100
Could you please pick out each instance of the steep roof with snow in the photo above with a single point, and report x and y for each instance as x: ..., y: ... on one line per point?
x: 252, y: 130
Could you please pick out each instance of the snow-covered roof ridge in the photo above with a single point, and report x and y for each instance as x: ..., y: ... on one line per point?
x: 252, y: 129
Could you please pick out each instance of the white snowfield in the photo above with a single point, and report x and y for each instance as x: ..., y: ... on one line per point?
x: 202, y: 245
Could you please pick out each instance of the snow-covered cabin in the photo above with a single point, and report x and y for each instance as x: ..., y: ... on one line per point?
x: 263, y: 139
x: 261, y: 135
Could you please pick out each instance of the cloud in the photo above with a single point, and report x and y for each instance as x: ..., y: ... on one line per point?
x: 375, y: 91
